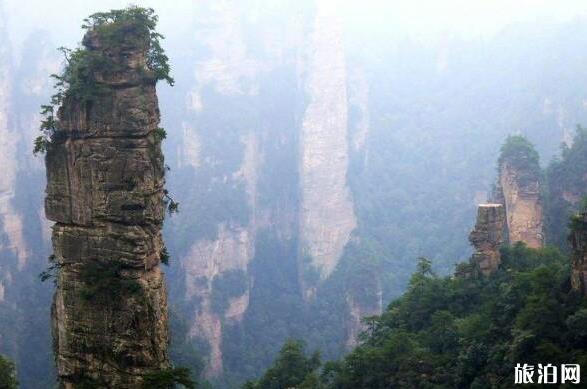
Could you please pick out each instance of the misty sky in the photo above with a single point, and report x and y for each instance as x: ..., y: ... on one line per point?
x: 416, y: 18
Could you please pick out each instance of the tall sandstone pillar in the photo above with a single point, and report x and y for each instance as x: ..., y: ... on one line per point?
x: 105, y: 174
x: 518, y: 189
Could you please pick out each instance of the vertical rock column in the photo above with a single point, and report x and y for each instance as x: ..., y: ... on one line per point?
x: 578, y: 240
x: 487, y: 237
x: 519, y: 191
x: 105, y: 174
x: 327, y: 217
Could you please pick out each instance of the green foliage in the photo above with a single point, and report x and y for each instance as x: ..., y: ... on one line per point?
x: 292, y: 369
x: 164, y: 256
x: 520, y: 154
x: 168, y: 379
x: 51, y: 271
x: 171, y: 205
x: 7, y: 374
x: 452, y: 332
x: 566, y: 184
x: 40, y: 145
x: 118, y: 29
x: 105, y: 281
x: 160, y: 133
x: 133, y: 23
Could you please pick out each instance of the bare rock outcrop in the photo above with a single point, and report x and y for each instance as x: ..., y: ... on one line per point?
x: 578, y: 240
x: 487, y: 237
x: 105, y: 178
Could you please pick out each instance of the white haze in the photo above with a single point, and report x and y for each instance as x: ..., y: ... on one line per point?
x: 417, y: 19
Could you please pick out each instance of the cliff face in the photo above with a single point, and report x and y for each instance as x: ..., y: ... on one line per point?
x: 267, y: 137
x: 105, y: 178
x: 227, y: 73
x: 519, y: 191
x: 326, y: 217
x: 579, y: 255
x: 487, y: 237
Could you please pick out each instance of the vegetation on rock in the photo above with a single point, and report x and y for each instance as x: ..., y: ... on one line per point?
x: 566, y: 179
x: 168, y: 378
x: 448, y: 332
x: 105, y: 281
x: 118, y: 29
x: 51, y: 272
x: 292, y: 369
x: 518, y: 153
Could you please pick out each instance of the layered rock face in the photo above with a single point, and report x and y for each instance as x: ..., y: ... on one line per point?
x: 105, y: 178
x: 579, y: 255
x: 519, y: 191
x: 487, y: 237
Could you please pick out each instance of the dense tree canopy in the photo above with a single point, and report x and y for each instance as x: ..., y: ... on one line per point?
x: 292, y: 369
x: 566, y: 179
x: 450, y: 332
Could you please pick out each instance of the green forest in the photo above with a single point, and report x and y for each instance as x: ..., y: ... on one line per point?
x: 452, y: 332
x: 467, y: 330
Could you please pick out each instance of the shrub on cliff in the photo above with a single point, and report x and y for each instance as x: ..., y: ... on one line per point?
x: 117, y: 29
